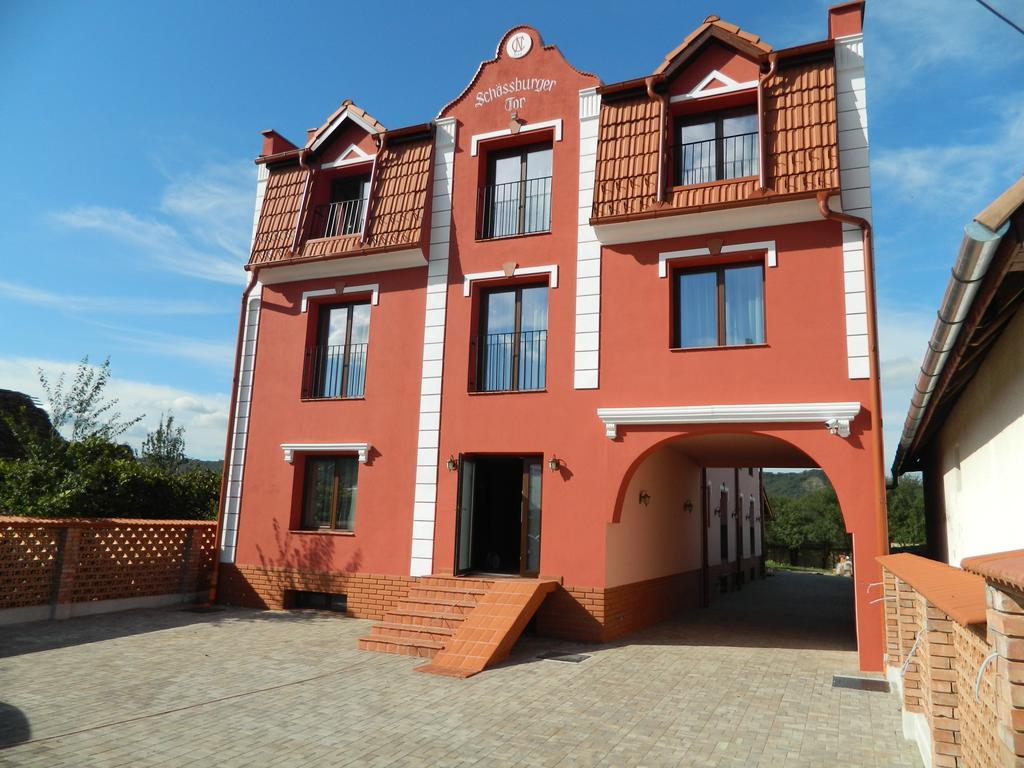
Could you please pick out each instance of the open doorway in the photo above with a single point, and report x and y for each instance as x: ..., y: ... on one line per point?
x: 499, y: 515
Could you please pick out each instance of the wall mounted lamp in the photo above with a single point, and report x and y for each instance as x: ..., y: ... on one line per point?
x: 645, y: 498
x: 452, y: 463
x: 554, y: 463
x: 688, y: 507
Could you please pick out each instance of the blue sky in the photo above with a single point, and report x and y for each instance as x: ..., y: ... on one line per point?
x: 129, y: 131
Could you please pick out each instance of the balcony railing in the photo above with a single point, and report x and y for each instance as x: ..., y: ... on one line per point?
x: 730, y: 157
x: 510, y: 362
x: 334, y: 372
x: 341, y: 218
x: 515, y: 208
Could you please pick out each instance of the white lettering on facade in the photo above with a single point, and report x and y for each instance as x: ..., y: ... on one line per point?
x: 516, y: 85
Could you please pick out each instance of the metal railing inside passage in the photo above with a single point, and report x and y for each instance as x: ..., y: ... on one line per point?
x: 515, y: 208
x: 731, y: 157
x: 335, y: 371
x: 511, y: 362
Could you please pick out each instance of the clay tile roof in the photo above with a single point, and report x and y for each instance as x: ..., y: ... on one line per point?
x: 1003, y: 567
x: 402, y: 193
x: 725, y: 30
x: 276, y: 227
x: 351, y: 107
x: 957, y: 593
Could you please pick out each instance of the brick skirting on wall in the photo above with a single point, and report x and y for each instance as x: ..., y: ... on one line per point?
x: 586, y: 614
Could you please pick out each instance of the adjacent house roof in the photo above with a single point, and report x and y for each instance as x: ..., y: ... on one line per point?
x: 347, y: 110
x: 984, y: 312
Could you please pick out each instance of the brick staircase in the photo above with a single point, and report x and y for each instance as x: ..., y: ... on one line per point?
x: 426, y: 621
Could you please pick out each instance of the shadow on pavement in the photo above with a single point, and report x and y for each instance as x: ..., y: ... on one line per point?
x: 14, y: 726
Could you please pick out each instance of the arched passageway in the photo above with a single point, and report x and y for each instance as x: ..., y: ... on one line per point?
x: 689, y: 504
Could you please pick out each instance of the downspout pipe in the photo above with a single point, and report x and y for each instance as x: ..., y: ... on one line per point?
x: 762, y: 78
x: 877, y: 457
x: 300, y: 217
x: 977, y: 248
x: 382, y: 142
x: 229, y: 438
x: 659, y: 192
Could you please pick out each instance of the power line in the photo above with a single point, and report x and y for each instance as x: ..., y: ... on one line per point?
x: 992, y: 10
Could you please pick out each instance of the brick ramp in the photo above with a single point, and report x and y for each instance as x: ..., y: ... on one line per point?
x: 426, y: 620
x: 491, y: 628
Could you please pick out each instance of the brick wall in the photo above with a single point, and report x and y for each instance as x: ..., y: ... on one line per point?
x: 978, y: 736
x: 599, y: 615
x: 965, y: 730
x: 66, y: 561
x: 369, y: 595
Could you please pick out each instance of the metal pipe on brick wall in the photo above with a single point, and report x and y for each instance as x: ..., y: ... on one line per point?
x: 762, y: 78
x: 659, y: 192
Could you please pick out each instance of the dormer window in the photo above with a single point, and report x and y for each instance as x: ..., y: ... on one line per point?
x: 715, y: 147
x: 345, y: 213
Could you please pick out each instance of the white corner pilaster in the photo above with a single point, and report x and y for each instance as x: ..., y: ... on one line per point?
x: 262, y: 174
x: 588, y: 252
x: 852, y: 115
x: 425, y: 498
x: 239, y: 426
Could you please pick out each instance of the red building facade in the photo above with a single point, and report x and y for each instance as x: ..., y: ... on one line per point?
x: 514, y: 339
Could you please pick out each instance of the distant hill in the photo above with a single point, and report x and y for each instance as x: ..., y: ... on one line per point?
x: 214, y: 465
x: 794, y: 485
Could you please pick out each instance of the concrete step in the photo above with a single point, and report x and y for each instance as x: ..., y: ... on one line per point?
x: 387, y: 629
x: 402, y: 615
x: 437, y: 605
x: 425, y: 649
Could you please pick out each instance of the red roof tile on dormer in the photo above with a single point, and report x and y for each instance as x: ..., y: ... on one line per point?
x: 713, y: 27
x: 346, y: 106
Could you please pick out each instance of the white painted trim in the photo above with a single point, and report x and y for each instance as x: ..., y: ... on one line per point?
x: 587, y: 336
x: 770, y: 413
x: 855, y: 183
x: 345, y: 115
x: 472, y: 277
x: 262, y: 176
x: 711, y: 222
x: 768, y: 246
x: 424, y: 505
x: 475, y: 140
x: 362, y: 450
x: 700, y: 90
x: 343, y: 160
x: 372, y: 288
x: 345, y: 265
x: 239, y: 425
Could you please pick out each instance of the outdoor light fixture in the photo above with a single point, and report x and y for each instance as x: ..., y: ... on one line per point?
x: 452, y: 463
x: 688, y: 507
x: 645, y: 498
x: 553, y: 463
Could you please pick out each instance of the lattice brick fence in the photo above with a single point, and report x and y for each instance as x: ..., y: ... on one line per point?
x: 79, y: 561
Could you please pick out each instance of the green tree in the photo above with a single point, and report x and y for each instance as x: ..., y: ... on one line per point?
x: 164, y: 447
x: 906, y: 512
x: 82, y: 406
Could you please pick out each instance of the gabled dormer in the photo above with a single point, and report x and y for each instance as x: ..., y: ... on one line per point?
x: 723, y: 121
x: 355, y: 191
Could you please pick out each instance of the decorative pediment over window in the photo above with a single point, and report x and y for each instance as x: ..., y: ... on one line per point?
x: 713, y: 29
x: 346, y: 113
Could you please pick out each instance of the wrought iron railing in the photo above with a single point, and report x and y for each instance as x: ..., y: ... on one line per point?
x: 510, y: 362
x: 341, y: 218
x: 515, y: 208
x: 729, y: 157
x: 334, y: 371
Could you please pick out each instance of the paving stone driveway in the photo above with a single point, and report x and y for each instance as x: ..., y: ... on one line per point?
x: 744, y: 683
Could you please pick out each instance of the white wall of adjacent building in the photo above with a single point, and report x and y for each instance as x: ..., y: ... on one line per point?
x: 981, y: 454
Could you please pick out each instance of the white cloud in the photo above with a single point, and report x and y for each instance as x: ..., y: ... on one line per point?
x: 903, y: 337
x: 99, y: 304
x: 948, y: 177
x: 217, y: 354
x: 204, y: 415
x: 909, y: 37
x: 202, y: 228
